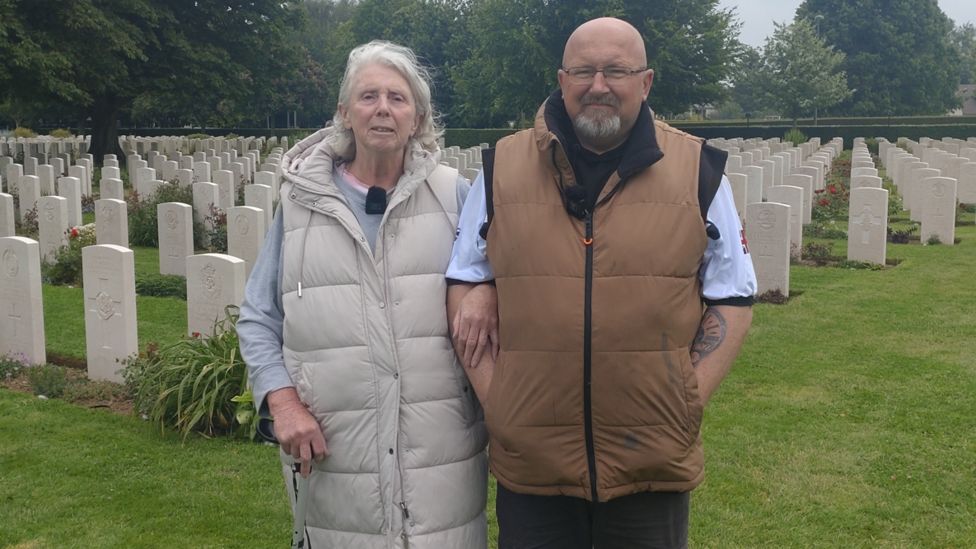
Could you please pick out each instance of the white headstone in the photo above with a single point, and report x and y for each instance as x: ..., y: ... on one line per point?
x: 21, y: 302
x: 184, y: 177
x: 201, y: 172
x: 867, y: 228
x: 45, y: 176
x: 259, y: 196
x: 83, y: 177
x: 205, y: 195
x: 754, y: 187
x: 7, y: 219
x: 245, y: 234
x: 52, y: 225
x: 143, y: 184
x: 938, y: 195
x: 111, y: 336
x: 861, y: 181
x: 269, y: 179
x: 792, y: 197
x: 109, y: 172
x: 768, y: 234
x: 967, y: 183
x: 175, y: 225
x: 70, y: 189
x: 12, y: 175
x: 224, y: 180
x: 111, y: 222
x: 213, y: 281
x: 112, y: 188
x: 739, y: 183
x: 805, y: 182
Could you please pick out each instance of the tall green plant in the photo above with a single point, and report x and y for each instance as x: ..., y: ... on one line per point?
x: 191, y: 385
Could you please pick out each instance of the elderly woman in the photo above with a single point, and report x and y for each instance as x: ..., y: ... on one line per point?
x: 344, y: 328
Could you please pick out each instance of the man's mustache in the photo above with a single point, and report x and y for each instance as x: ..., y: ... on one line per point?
x: 601, y: 99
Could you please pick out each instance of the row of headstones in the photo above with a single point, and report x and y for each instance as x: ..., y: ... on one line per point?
x: 466, y: 161
x: 60, y: 179
x: 246, y: 225
x: 43, y: 148
x: 867, y: 216
x: 172, y: 145
x: 214, y: 281
x: 932, y: 181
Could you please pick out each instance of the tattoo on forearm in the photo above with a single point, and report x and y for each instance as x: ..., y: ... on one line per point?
x: 711, y: 334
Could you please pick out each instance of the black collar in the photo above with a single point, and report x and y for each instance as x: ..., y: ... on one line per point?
x: 638, y: 152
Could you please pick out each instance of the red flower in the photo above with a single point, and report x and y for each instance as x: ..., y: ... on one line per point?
x: 831, y: 189
x: 824, y: 202
x: 196, y: 335
x: 74, y: 232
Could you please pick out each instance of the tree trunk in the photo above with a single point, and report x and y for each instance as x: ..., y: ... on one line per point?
x: 105, y: 130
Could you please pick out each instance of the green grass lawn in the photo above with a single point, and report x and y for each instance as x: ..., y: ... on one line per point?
x: 849, y: 420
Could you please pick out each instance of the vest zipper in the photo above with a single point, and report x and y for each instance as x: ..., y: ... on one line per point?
x: 587, y: 356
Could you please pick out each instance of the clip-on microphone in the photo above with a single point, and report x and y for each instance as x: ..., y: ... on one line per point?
x: 375, y: 200
x: 575, y: 199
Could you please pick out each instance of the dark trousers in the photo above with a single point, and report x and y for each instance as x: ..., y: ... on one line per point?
x: 647, y: 520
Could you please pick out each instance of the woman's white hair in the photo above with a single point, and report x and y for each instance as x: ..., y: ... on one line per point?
x: 404, y: 61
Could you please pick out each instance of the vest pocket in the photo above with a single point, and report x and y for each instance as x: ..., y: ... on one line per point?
x: 693, y: 404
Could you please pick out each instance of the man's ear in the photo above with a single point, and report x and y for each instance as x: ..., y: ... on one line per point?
x: 647, y: 81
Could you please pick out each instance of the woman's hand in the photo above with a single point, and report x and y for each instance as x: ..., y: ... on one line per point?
x: 296, y: 429
x: 474, y: 328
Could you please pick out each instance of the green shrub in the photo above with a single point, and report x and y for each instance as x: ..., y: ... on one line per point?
x: 794, y: 136
x: 817, y: 252
x: 159, y: 285
x: 24, y: 132
x: 60, y: 133
x: 65, y: 269
x: 902, y: 236
x: 198, y: 136
x: 48, y: 380
x: 190, y: 385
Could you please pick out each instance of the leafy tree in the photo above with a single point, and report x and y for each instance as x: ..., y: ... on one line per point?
x: 749, y: 82
x: 898, y: 57
x: 515, y: 48
x: 208, y: 62
x: 801, y: 73
x: 964, y: 41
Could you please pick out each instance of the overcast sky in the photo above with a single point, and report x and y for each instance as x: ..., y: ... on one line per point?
x: 757, y: 16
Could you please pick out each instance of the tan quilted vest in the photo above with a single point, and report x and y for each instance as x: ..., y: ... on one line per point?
x: 647, y: 246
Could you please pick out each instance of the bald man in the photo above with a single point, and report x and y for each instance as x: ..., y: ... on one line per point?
x: 611, y: 247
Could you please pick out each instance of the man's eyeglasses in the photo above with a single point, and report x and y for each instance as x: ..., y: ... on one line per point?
x: 587, y: 74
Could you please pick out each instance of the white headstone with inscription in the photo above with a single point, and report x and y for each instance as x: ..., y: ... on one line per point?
x: 110, y: 309
x: 213, y: 281
x: 175, y: 225
x: 867, y: 228
x: 938, y: 195
x: 768, y: 234
x: 52, y: 225
x: 111, y: 222
x: 21, y: 301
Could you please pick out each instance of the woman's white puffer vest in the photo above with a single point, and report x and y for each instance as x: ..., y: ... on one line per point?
x: 366, y: 343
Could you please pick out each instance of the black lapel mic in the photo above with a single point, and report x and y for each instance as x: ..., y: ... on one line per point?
x: 575, y: 198
x: 375, y: 200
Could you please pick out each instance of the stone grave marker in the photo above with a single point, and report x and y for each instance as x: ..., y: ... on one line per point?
x: 111, y: 222
x: 213, y: 281
x: 739, y: 183
x: 70, y: 189
x: 7, y: 219
x: 45, y: 176
x: 805, y: 182
x: 938, y: 195
x: 112, y: 188
x: 12, y: 175
x: 792, y: 197
x: 861, y: 181
x: 111, y: 336
x: 30, y: 193
x: 966, y: 190
x: 224, y: 180
x: 52, y: 225
x: 245, y: 234
x: 21, y: 301
x: 867, y: 233
x: 259, y: 196
x: 175, y: 228
x: 768, y: 233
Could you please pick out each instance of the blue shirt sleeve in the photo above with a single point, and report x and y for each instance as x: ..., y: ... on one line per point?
x: 261, y: 321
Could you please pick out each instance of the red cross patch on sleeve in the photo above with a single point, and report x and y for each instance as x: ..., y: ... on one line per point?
x: 745, y: 243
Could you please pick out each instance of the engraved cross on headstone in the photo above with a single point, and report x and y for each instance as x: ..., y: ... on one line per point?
x: 864, y: 221
x: 105, y: 308
x: 15, y: 318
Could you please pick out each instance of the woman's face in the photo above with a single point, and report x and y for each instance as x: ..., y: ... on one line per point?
x: 381, y: 112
